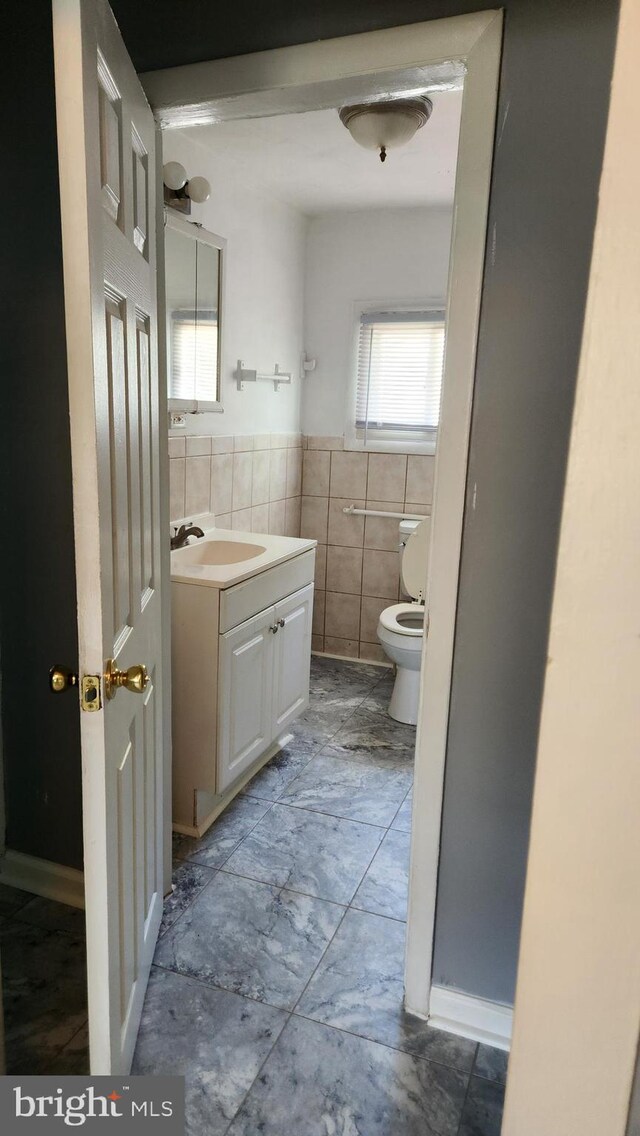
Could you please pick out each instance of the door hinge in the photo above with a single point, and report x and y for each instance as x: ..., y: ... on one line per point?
x: 90, y: 699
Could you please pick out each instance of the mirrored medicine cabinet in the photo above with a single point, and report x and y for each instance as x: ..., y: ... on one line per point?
x: 194, y: 267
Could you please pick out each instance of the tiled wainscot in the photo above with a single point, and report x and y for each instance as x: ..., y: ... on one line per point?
x: 251, y: 482
x: 357, y: 559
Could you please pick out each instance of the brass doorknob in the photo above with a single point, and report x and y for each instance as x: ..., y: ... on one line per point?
x: 62, y: 678
x: 135, y: 678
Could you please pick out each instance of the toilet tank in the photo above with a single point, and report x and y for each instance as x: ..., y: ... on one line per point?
x: 404, y: 532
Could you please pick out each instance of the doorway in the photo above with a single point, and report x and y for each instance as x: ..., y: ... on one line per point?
x: 234, y: 92
x: 470, y: 39
x: 242, y: 873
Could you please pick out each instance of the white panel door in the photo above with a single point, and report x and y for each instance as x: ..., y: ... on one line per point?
x: 292, y: 647
x: 106, y: 141
x: 245, y: 698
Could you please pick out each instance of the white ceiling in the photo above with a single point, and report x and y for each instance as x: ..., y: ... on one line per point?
x: 311, y: 161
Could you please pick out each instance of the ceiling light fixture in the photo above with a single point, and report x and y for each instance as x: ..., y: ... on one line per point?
x: 383, y: 126
x: 180, y: 191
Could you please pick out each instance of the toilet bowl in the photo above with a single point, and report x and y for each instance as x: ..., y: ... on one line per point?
x: 401, y: 626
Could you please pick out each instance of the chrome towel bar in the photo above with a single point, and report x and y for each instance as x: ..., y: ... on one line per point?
x: 354, y: 512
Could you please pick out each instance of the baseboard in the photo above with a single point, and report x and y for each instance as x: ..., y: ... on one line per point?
x: 42, y: 877
x: 351, y: 659
x: 471, y: 1017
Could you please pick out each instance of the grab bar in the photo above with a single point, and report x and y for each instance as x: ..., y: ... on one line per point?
x: 354, y: 512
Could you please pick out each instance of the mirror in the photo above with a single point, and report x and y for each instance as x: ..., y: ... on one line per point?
x: 193, y: 281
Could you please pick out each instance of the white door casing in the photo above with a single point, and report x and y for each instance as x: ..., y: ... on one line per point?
x: 106, y: 139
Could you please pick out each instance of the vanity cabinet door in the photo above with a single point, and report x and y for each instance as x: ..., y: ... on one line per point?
x: 245, y: 695
x: 292, y: 650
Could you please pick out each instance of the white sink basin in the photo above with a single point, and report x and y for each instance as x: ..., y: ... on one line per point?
x: 220, y: 552
x: 225, y: 557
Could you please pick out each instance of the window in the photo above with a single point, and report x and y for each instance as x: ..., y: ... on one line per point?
x: 194, y: 355
x: 399, y: 375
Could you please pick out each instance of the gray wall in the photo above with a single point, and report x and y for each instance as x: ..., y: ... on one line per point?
x: 557, y: 59
x: 555, y: 85
x: 40, y: 732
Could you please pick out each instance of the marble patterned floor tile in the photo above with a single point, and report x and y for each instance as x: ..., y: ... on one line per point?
x: 272, y: 780
x: 402, y: 820
x: 483, y: 1107
x: 385, y: 888
x: 326, y: 714
x: 250, y: 938
x: 188, y: 880
x: 349, y: 789
x: 318, y: 1081
x: 320, y: 855
x: 54, y: 916
x: 379, y: 698
x: 373, y: 739
x: 338, y: 675
x: 491, y: 1063
x: 45, y: 995
x: 359, y: 987
x: 218, y: 1041
x: 12, y: 899
x: 225, y: 833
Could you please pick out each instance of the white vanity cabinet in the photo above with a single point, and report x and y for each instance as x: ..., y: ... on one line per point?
x: 240, y: 676
x: 263, y: 668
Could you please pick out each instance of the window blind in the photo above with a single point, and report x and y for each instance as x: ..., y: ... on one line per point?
x: 399, y: 380
x: 194, y: 356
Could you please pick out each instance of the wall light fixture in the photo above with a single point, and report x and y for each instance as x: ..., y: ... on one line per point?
x: 180, y: 191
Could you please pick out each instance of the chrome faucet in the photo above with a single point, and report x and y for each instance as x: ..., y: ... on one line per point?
x: 181, y: 535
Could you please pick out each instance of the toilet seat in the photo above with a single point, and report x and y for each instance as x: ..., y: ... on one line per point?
x: 402, y: 618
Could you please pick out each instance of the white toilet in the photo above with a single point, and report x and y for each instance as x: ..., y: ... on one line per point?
x: 401, y: 627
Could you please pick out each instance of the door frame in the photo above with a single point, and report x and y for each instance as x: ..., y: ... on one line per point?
x: 439, y: 54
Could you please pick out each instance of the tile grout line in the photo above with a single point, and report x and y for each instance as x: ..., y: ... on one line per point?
x: 194, y: 897
x: 335, y: 816
x: 466, y: 1092
x: 315, y: 969
x: 400, y: 806
x: 294, y: 1013
x: 309, y: 895
x: 385, y: 1044
x: 60, y: 1051
x: 250, y: 1089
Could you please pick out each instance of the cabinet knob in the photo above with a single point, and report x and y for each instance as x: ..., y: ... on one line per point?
x: 281, y: 623
x: 274, y: 628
